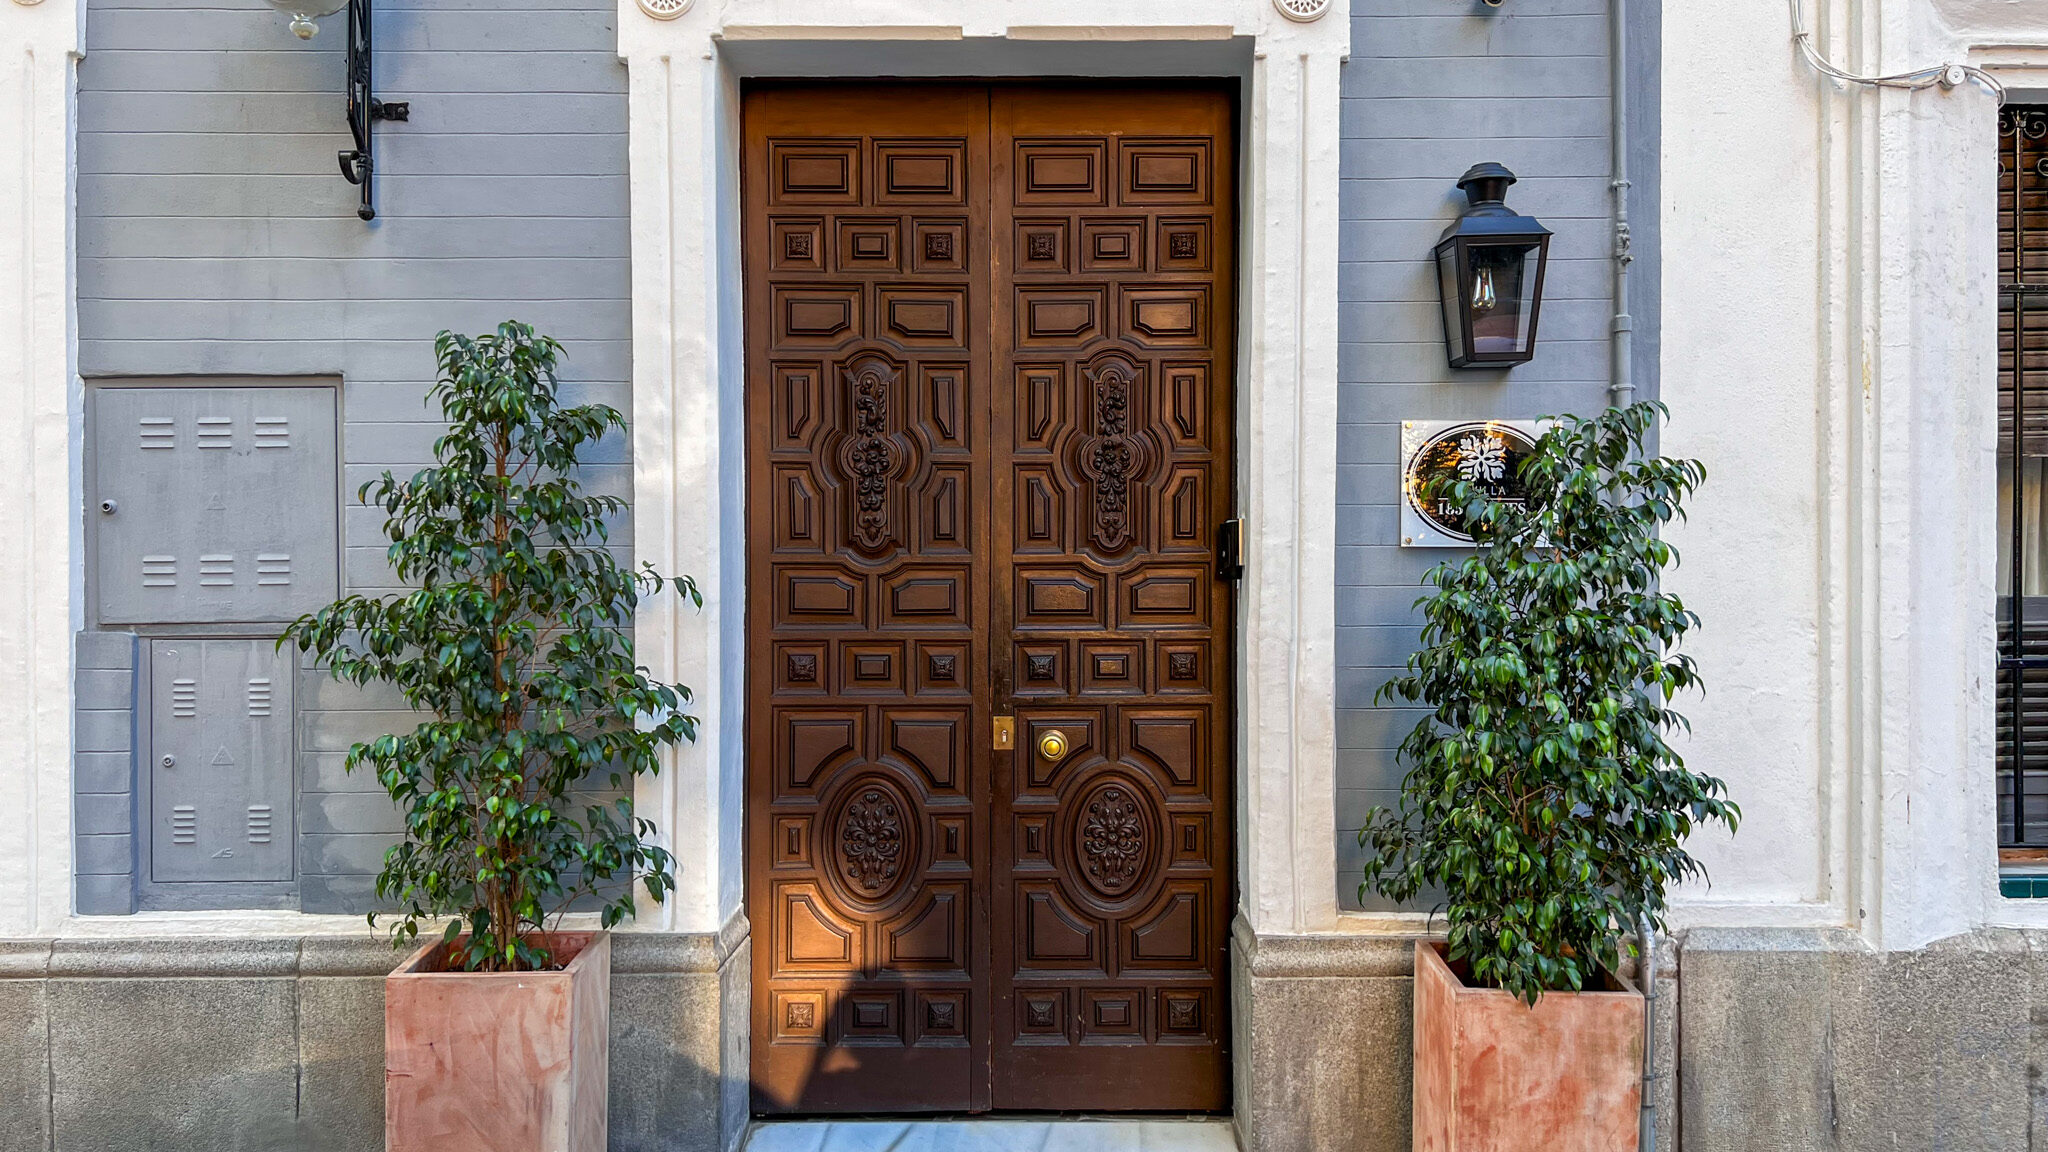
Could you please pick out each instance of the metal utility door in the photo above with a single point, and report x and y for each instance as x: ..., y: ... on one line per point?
x: 988, y: 451
x: 214, y: 505
x: 220, y: 761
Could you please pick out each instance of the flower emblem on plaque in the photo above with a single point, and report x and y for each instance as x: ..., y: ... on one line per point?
x: 1485, y: 453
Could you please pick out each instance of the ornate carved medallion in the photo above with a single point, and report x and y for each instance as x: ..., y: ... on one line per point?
x: 869, y: 459
x: 1110, y: 458
x: 1114, y: 838
x: 871, y: 840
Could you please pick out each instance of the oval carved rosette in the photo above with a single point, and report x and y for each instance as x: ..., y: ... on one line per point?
x: 1114, y: 838
x: 871, y: 840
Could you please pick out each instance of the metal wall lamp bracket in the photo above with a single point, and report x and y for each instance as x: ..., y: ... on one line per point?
x: 357, y: 164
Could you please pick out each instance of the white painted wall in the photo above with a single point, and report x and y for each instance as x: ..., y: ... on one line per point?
x: 1829, y: 328
x: 39, y: 392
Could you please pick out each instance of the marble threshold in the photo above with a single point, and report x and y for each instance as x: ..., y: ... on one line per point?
x: 995, y: 1134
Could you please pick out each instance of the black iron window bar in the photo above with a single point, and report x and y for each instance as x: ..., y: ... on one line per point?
x: 358, y: 164
x: 2023, y: 172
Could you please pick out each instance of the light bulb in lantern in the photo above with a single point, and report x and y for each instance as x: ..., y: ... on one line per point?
x: 304, y: 12
x: 1483, y: 298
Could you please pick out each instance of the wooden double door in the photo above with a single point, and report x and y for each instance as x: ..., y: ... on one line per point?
x: 989, y: 747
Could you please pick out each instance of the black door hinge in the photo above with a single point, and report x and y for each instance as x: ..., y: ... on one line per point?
x: 1230, y: 550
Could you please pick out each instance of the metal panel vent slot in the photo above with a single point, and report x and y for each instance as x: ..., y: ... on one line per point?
x: 184, y: 824
x: 259, y: 823
x: 273, y: 432
x: 259, y: 697
x: 267, y: 522
x: 217, y: 571
x: 184, y: 698
x: 273, y: 568
x: 216, y: 432
x: 159, y: 571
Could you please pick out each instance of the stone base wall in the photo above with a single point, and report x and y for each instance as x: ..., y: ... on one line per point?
x: 1809, y: 1040
x: 1324, y: 1040
x: 278, y: 1043
x: 1781, y: 1041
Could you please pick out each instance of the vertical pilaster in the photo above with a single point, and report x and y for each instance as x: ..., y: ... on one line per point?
x: 39, y: 422
x: 1286, y: 678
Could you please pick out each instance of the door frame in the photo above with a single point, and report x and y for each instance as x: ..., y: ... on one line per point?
x: 688, y: 430
x: 886, y: 99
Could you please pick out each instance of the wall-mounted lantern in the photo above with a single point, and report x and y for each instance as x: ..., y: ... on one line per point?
x: 356, y: 163
x: 1489, y: 270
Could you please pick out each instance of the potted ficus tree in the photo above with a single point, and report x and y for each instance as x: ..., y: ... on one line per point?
x: 514, y: 643
x: 1542, y: 806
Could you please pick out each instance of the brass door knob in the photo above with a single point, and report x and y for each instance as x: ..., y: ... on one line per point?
x: 1053, y: 746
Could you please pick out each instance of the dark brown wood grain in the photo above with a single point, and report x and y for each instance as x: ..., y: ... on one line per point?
x: 988, y: 446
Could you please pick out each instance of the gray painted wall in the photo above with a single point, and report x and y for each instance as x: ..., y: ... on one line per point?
x: 1431, y: 89
x: 216, y: 237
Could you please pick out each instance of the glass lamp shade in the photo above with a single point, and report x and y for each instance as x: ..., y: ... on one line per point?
x: 1489, y: 267
x: 304, y: 12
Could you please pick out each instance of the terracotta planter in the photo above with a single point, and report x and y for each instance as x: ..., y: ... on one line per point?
x: 1495, y: 1075
x: 512, y: 1062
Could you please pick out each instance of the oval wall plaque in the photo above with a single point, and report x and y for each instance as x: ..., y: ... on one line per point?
x: 1484, y: 452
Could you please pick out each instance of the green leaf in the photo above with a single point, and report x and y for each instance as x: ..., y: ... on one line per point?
x: 513, y: 641
x: 1541, y: 797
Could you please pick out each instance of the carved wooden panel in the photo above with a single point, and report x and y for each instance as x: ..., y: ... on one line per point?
x: 868, y: 391
x: 987, y: 449
x: 1112, y: 886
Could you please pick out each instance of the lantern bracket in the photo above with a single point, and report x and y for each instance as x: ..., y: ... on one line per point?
x: 358, y: 164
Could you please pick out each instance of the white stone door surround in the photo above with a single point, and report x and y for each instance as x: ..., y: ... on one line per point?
x: 684, y: 76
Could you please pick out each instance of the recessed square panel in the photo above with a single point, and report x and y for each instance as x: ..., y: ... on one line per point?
x: 1180, y: 667
x: 1064, y: 317
x: 814, y: 171
x: 920, y: 172
x: 1039, y: 244
x: 1041, y: 668
x: 1112, y: 668
x: 940, y: 668
x: 801, y: 669
x: 866, y: 245
x: 818, y: 316
x: 924, y: 317
x: 797, y: 245
x: 1063, y: 597
x: 871, y: 667
x: 1041, y: 399
x: 1112, y: 245
x: 1061, y: 172
x: 1042, y: 1016
x: 871, y: 1018
x: 1182, y: 243
x: 798, y: 1017
x: 1118, y: 1013
x: 1176, y: 317
x: 941, y: 1019
x: 1163, y: 171
x: 938, y: 245
x: 1164, y: 596
x: 926, y: 596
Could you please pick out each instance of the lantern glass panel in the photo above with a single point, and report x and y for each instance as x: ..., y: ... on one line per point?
x: 1451, y: 292
x: 1502, y: 298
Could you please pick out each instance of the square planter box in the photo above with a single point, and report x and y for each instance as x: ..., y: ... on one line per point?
x: 1495, y: 1075
x: 508, y: 1061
